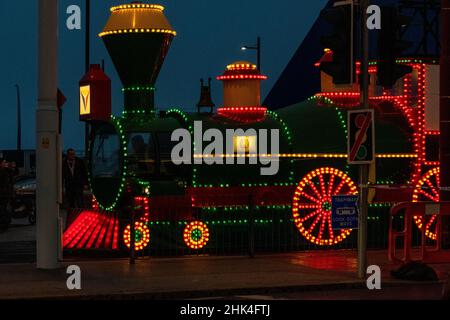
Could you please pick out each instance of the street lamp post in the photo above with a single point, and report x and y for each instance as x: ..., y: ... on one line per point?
x: 48, y: 174
x: 258, y: 51
x: 87, y: 66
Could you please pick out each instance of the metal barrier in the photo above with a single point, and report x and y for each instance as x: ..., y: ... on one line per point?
x: 428, y: 249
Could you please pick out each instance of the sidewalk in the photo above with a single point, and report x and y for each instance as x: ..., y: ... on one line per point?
x: 195, y: 277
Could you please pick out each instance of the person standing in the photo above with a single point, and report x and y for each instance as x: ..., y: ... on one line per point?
x: 75, y: 180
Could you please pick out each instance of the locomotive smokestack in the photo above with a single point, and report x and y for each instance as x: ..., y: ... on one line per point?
x: 445, y: 100
x: 138, y: 37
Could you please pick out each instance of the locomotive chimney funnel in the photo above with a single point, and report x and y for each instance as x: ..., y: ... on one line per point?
x: 138, y: 37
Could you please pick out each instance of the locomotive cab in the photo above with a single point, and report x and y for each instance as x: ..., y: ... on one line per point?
x: 137, y: 160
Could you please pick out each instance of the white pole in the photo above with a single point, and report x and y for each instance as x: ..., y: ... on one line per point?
x: 47, y: 144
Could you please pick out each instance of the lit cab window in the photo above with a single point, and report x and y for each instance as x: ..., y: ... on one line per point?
x: 85, y: 100
x: 245, y: 144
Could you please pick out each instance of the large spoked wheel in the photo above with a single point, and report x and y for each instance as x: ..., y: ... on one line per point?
x: 427, y: 189
x: 312, y: 205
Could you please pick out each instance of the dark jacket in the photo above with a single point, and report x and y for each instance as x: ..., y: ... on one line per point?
x: 74, y: 182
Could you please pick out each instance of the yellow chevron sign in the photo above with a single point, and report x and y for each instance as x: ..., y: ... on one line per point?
x: 85, y: 100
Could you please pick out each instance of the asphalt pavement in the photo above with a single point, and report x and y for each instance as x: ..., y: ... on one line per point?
x: 320, y: 274
x: 18, y: 243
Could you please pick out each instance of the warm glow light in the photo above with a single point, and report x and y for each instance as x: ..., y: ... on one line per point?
x: 427, y: 189
x: 142, y: 236
x: 245, y: 144
x: 131, y: 31
x: 138, y: 6
x: 85, y: 100
x: 246, y: 66
x: 92, y: 229
x: 196, y: 235
x: 306, y: 156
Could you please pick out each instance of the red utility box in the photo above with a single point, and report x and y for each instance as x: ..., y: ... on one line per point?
x: 95, y: 95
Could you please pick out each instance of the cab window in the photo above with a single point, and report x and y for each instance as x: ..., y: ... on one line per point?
x: 106, y: 154
x: 141, y: 155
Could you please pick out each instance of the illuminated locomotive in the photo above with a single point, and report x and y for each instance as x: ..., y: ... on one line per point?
x: 202, y: 206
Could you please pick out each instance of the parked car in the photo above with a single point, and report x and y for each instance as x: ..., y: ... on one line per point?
x: 23, y: 204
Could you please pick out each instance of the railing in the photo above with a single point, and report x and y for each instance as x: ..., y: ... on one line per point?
x: 424, y: 249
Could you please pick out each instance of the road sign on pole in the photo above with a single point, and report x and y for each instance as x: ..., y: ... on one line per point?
x: 345, y: 212
x: 361, y: 137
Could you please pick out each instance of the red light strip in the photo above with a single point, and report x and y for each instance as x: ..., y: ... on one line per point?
x: 242, y: 77
x: 85, y: 224
x: 109, y: 235
x: 143, y: 202
x: 101, y: 238
x: 75, y: 229
x: 116, y: 234
x: 102, y: 220
x: 243, y: 109
x: 89, y: 231
x: 243, y: 114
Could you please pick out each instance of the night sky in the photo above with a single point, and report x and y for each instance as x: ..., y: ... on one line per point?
x: 210, y: 35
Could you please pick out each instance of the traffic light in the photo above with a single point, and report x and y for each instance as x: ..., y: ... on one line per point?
x: 391, y: 46
x: 341, y: 43
x: 361, y: 137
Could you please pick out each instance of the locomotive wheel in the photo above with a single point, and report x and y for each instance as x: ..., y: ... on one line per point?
x: 312, y: 205
x: 142, y: 236
x: 196, y: 235
x: 427, y: 189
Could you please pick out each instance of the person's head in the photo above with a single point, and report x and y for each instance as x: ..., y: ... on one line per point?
x: 71, y: 155
x: 13, y: 165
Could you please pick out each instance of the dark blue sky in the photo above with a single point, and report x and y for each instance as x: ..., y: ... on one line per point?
x: 210, y: 34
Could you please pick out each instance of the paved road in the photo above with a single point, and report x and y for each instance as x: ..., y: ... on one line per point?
x: 413, y: 292
x: 17, y: 252
x: 18, y: 243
